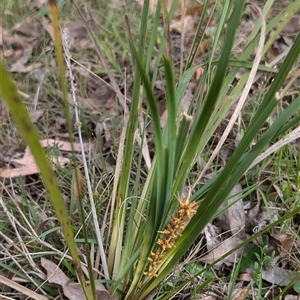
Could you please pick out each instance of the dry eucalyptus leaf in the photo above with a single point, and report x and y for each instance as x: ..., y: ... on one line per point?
x: 245, y: 277
x: 78, y: 35
x: 109, y: 161
x: 103, y: 135
x: 30, y: 27
x: 208, y: 296
x: 186, y: 27
x: 104, y: 97
x: 71, y: 291
x: 64, y: 146
x: 41, y: 3
x: 279, y: 276
x: 241, y: 294
x: 286, y: 243
x: 27, y: 162
x: 293, y: 26
x: 222, y: 249
x: 76, y: 30
x: 212, y: 236
x: 27, y: 166
x: 20, y: 68
x: 36, y: 115
x: 19, y: 65
x: 233, y: 218
x: 279, y: 191
x: 291, y: 297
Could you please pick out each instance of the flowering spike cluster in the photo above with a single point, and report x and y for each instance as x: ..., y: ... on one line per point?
x: 169, y: 236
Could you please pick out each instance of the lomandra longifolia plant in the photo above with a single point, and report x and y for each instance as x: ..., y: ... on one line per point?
x: 160, y: 227
x: 152, y: 223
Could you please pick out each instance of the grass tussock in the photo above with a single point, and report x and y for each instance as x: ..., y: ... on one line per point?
x: 141, y: 106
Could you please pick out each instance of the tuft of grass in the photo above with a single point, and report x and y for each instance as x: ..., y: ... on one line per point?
x: 143, y: 222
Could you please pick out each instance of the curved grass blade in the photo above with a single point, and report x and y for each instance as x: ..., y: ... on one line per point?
x: 201, y: 122
x: 22, y: 119
x: 236, y: 167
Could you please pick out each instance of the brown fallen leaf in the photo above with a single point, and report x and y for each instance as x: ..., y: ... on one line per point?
x: 28, y: 166
x: 64, y: 146
x: 279, y: 276
x: 7, y: 53
x: 212, y: 236
x: 19, y: 65
x: 101, y: 98
x: 27, y: 162
x: 293, y: 26
x: 245, y: 277
x: 222, y: 249
x: 48, y: 28
x: 78, y: 36
x: 291, y: 297
x: 30, y: 28
x: 208, y: 296
x: 71, y: 291
x: 35, y: 115
x: 76, y: 30
x: 233, y: 218
x: 241, y: 294
x: 186, y: 27
x: 286, y: 243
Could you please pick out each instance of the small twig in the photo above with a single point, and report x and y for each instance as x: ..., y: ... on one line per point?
x: 18, y: 287
x: 287, y: 139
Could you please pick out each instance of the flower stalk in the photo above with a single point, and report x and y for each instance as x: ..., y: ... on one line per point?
x: 168, y: 237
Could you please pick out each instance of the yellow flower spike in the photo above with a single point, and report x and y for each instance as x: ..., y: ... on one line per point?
x: 168, y: 237
x: 162, y: 243
x: 155, y: 257
x: 170, y: 231
x: 187, y: 208
x: 152, y: 272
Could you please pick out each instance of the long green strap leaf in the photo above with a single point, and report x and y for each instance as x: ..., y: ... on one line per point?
x: 21, y: 118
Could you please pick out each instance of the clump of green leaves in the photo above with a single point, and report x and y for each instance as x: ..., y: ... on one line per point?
x: 143, y: 246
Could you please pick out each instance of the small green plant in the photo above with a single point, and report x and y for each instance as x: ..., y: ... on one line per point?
x: 263, y: 261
